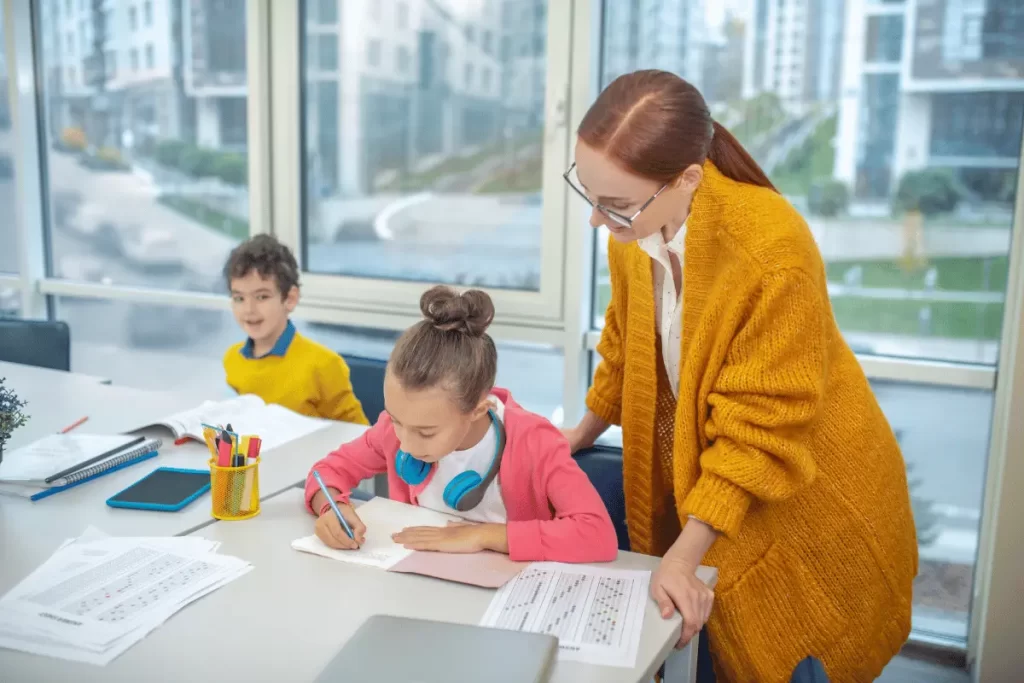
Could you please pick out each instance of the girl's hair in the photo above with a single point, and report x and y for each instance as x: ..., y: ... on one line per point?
x: 657, y: 125
x: 450, y: 347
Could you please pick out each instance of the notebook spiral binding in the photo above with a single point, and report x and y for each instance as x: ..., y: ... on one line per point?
x: 143, y: 448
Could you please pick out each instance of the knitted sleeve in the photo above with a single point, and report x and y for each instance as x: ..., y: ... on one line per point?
x: 605, y: 395
x: 766, y: 395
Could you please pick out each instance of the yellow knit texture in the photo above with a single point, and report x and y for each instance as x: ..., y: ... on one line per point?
x: 778, y: 443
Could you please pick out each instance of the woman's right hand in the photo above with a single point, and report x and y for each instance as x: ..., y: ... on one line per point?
x: 329, y: 530
x: 676, y: 588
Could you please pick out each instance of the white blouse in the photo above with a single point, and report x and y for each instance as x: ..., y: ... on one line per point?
x: 668, y: 303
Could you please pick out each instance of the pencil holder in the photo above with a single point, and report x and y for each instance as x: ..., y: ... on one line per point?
x: 235, y: 491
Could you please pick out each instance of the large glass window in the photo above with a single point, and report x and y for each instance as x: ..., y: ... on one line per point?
x: 428, y: 167
x: 910, y: 195
x: 146, y: 170
x: 8, y: 229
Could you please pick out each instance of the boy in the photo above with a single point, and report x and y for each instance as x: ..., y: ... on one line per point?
x: 276, y: 362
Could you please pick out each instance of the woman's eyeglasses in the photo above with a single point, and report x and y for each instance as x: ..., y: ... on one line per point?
x: 624, y: 221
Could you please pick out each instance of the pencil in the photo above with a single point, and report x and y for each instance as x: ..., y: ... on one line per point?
x: 77, y: 423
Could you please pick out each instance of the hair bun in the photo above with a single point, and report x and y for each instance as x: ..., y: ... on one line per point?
x: 449, y: 311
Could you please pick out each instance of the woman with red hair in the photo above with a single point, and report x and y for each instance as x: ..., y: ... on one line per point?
x: 752, y: 441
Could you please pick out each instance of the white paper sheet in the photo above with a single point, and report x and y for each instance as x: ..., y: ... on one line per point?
x: 596, y: 613
x: 98, y: 595
x: 55, y: 453
x: 382, y: 517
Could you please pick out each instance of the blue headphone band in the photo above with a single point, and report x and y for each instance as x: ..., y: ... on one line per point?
x: 465, y: 491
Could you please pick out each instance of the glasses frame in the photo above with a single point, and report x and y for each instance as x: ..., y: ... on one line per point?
x: 624, y: 221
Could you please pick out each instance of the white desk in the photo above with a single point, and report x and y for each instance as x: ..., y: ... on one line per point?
x: 18, y: 372
x: 30, y: 531
x: 294, y: 611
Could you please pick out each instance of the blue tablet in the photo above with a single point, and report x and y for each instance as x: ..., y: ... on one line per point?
x: 166, y: 489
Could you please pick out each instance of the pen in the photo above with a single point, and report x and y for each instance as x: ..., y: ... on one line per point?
x: 334, y: 506
x: 76, y: 423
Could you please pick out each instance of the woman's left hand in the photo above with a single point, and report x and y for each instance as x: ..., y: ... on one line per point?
x: 675, y: 587
x: 457, y: 537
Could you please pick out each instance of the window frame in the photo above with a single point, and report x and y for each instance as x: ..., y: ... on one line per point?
x: 543, y: 309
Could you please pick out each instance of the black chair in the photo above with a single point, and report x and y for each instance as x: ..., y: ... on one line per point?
x: 367, y: 377
x: 603, y: 464
x: 41, y: 343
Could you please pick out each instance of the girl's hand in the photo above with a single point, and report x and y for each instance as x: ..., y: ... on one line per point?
x: 457, y: 537
x: 675, y: 587
x: 329, y: 530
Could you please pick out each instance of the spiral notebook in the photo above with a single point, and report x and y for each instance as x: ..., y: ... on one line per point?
x: 24, y: 472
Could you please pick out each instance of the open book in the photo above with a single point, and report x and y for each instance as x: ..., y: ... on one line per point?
x: 248, y: 414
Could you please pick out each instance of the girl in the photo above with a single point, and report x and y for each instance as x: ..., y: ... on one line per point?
x: 451, y: 441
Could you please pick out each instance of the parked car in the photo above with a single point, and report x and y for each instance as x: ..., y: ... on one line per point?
x: 151, y: 249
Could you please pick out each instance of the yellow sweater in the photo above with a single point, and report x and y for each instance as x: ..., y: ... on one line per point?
x: 298, y: 374
x: 779, y: 443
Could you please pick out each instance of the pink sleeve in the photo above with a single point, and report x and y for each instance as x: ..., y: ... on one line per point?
x: 344, y: 468
x: 581, y: 530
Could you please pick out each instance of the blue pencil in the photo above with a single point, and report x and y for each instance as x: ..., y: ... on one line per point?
x: 334, y: 506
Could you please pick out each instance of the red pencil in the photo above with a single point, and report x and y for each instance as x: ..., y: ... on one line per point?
x: 76, y: 423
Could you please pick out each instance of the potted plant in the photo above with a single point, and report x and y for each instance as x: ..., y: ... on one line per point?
x: 11, y: 416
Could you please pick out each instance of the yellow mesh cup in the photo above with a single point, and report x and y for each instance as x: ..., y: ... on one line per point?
x: 235, y: 491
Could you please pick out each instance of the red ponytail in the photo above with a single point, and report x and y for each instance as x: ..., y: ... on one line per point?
x: 657, y: 125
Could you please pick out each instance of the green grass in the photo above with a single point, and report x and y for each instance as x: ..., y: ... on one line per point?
x: 231, y: 226
x: 949, y: 319
x: 760, y: 114
x: 526, y: 178
x: 960, y: 274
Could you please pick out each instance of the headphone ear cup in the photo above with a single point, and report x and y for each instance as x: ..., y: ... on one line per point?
x: 459, y: 486
x: 409, y: 469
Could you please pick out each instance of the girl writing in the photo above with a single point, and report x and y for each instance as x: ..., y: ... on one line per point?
x: 452, y: 441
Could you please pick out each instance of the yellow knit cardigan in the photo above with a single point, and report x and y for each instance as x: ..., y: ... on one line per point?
x: 779, y: 443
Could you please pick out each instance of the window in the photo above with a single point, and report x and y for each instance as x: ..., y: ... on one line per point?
x: 326, y: 12
x: 8, y: 229
x: 402, y: 16
x: 110, y: 61
x: 147, y: 12
x: 150, y: 57
x: 882, y: 174
x: 437, y: 183
x: 128, y: 178
x: 403, y: 59
x: 71, y: 44
x: 373, y: 52
x: 884, y: 42
x: 328, y: 52
x: 133, y: 18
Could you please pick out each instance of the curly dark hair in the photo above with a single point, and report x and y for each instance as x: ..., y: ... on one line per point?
x: 268, y: 257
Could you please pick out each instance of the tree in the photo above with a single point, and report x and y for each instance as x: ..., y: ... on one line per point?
x: 930, y: 192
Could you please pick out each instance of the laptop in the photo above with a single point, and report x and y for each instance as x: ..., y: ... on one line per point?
x: 404, y: 650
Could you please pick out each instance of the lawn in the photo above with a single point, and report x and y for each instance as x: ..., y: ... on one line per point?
x: 950, y: 320
x: 231, y: 226
x: 810, y: 162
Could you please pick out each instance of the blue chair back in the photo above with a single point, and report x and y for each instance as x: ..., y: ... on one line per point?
x: 367, y: 375
x: 603, y: 464
x: 42, y: 343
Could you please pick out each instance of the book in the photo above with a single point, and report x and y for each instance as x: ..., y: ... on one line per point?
x: 53, y: 455
x: 247, y: 414
x: 37, y: 489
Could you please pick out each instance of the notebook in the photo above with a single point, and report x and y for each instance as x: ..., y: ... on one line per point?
x: 246, y: 414
x: 387, y: 648
x: 23, y: 473
x: 384, y: 517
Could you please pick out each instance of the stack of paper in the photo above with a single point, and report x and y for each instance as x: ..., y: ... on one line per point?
x: 97, y: 596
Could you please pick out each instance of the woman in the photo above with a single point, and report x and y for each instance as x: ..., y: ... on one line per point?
x: 751, y: 439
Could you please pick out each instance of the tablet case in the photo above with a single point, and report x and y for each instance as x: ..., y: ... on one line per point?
x: 160, y: 507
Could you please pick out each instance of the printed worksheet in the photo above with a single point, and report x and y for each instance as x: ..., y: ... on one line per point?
x: 382, y: 517
x: 597, y: 614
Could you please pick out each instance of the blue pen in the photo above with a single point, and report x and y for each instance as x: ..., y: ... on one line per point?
x: 334, y: 506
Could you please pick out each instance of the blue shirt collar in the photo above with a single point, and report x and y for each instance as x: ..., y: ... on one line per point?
x: 280, y: 348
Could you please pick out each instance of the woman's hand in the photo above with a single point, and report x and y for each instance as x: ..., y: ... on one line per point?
x: 585, y: 433
x: 675, y: 587
x: 329, y: 530
x: 578, y: 440
x: 457, y: 537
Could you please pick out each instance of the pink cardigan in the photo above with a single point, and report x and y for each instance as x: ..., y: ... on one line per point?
x: 554, y: 512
